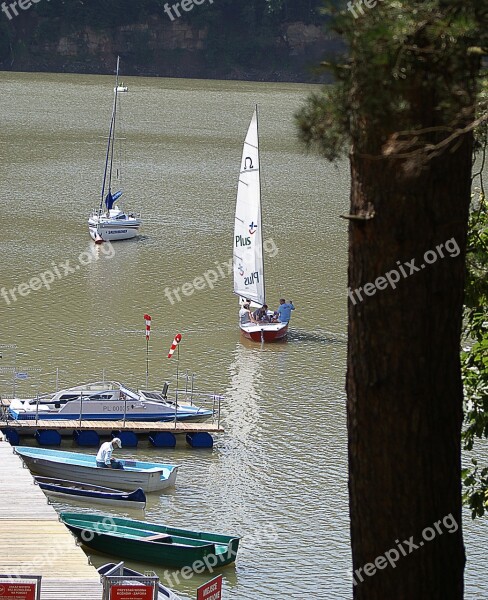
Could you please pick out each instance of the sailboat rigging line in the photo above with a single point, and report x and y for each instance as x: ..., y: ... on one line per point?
x: 113, y: 130
x: 110, y: 144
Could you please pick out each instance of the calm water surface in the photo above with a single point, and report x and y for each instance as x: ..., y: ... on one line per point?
x: 278, y: 476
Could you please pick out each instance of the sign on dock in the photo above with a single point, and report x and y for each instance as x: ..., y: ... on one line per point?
x: 212, y: 590
x: 131, y: 592
x: 22, y: 589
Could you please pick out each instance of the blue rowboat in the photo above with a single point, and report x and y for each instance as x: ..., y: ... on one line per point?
x: 75, y: 466
x: 119, y: 573
x: 86, y: 492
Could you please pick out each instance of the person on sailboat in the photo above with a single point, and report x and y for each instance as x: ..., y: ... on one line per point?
x: 283, y: 313
x: 261, y: 314
x: 104, y: 456
x: 245, y: 315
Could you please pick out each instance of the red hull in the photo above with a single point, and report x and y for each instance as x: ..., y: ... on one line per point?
x: 265, y: 335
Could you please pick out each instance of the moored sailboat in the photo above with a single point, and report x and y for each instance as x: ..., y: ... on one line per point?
x: 249, y: 283
x: 112, y: 223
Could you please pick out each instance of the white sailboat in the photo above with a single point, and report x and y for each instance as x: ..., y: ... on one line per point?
x: 249, y: 283
x: 112, y: 223
x: 121, y: 87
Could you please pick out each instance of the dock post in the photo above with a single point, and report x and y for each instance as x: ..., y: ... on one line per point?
x: 81, y: 406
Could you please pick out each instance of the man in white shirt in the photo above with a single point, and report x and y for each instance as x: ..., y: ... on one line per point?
x: 104, y: 456
x: 245, y: 315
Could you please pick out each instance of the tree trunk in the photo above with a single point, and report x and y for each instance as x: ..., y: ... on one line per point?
x: 403, y: 375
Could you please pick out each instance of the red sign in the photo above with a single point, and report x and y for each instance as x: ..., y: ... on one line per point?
x: 129, y: 592
x: 17, y: 591
x: 212, y: 590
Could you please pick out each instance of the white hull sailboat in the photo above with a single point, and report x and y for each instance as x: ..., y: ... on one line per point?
x: 112, y: 223
x: 249, y: 282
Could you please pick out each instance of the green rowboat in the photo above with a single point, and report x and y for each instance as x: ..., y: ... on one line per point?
x: 148, y: 542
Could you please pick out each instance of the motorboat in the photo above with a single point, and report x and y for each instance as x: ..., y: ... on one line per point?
x: 105, y: 401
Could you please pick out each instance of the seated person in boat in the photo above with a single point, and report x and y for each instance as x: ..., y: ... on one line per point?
x: 261, y: 314
x: 104, y: 456
x: 245, y: 316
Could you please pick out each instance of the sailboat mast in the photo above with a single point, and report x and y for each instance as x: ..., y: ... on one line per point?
x: 111, y: 139
x: 260, y: 205
x: 113, y: 128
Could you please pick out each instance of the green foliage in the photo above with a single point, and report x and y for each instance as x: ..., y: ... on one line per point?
x: 481, y: 132
x: 323, y: 124
x: 475, y: 481
x: 400, y: 56
x: 475, y: 358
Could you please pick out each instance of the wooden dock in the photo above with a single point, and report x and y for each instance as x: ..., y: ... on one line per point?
x: 106, y: 427
x: 34, y: 542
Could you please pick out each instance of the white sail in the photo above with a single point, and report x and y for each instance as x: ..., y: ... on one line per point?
x: 248, y: 240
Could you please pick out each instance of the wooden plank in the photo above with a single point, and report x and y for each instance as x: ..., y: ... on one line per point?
x: 34, y: 541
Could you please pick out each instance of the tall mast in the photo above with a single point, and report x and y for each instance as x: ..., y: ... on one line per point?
x: 113, y: 128
x: 260, y: 204
x: 111, y: 140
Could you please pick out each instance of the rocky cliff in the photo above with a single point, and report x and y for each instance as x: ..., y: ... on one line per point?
x: 159, y: 47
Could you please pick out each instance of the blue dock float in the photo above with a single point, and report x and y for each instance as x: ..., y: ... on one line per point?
x: 201, y: 439
x: 128, y: 438
x: 48, y: 437
x: 86, y: 438
x: 11, y: 435
x: 162, y: 439
x: 162, y: 434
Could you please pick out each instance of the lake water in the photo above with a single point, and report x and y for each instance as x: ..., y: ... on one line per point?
x: 278, y: 476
